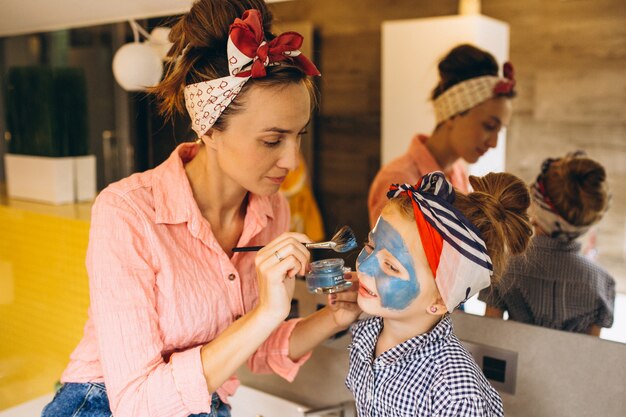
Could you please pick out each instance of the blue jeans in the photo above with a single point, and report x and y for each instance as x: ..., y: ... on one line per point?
x: 90, y: 400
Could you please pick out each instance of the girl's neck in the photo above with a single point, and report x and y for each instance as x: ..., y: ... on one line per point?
x: 439, y: 146
x: 395, y: 331
x: 220, y: 200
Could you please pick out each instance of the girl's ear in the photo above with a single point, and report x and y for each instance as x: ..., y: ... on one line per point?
x: 437, y: 308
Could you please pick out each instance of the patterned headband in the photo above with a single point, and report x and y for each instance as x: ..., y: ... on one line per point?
x: 544, y: 212
x: 248, y: 56
x: 456, y: 253
x: 469, y: 93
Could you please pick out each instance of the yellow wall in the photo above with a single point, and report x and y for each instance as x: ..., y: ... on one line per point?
x: 44, y: 298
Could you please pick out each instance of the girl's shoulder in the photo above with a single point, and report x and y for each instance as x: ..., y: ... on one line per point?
x: 457, y: 372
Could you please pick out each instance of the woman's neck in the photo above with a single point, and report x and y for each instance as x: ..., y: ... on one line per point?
x: 439, y: 146
x: 220, y: 200
x: 395, y: 332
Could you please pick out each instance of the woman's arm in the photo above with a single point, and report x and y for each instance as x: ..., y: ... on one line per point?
x: 223, y: 355
x: 341, y: 311
x: 277, y: 265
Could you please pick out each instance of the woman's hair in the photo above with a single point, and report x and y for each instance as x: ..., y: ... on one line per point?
x: 577, y: 187
x: 498, y: 208
x: 198, y: 53
x: 463, y: 63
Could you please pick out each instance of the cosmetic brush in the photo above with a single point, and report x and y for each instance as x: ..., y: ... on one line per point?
x: 343, y: 241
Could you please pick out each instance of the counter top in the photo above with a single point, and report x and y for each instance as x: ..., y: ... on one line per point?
x: 77, y: 211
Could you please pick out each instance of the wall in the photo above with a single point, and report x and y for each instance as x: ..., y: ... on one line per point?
x: 43, y: 295
x: 570, y: 58
x: 557, y: 375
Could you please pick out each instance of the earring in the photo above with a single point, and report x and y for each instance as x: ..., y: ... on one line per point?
x: 198, y: 141
x: 433, y: 309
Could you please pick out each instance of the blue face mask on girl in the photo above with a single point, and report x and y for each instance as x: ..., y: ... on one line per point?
x: 397, y: 288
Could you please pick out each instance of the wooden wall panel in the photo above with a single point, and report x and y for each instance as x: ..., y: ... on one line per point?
x: 586, y: 94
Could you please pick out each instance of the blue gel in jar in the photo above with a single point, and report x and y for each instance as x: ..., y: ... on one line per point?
x: 326, y: 276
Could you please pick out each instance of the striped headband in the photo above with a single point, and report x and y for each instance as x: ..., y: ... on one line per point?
x: 469, y: 93
x: 248, y: 56
x: 456, y: 254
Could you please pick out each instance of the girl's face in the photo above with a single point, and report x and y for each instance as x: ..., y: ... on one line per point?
x: 474, y: 133
x: 261, y: 143
x: 394, y: 277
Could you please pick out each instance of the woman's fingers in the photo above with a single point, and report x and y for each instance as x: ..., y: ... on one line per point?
x: 283, y: 250
x: 344, y: 305
x: 348, y: 295
x: 283, y: 246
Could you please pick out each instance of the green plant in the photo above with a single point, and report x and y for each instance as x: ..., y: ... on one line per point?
x: 46, y: 111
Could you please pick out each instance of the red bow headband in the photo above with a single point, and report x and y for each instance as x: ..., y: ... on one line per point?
x: 246, y: 35
x: 248, y: 56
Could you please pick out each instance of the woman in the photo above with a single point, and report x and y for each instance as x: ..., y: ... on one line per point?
x: 472, y: 104
x: 173, y: 311
x: 553, y: 285
x: 431, y: 249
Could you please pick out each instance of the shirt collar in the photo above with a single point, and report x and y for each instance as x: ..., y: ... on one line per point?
x: 173, y: 197
x: 366, y: 332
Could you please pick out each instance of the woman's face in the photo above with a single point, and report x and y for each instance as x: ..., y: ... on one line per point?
x: 261, y: 143
x: 394, y: 277
x: 474, y: 133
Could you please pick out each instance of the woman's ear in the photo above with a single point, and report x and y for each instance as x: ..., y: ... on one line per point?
x: 210, y: 138
x: 449, y: 123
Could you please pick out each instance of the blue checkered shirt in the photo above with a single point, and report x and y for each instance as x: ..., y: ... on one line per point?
x: 429, y: 375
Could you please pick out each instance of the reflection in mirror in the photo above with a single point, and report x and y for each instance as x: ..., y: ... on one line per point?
x: 565, y: 102
x: 555, y: 285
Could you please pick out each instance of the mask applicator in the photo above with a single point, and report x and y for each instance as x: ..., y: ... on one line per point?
x: 343, y: 241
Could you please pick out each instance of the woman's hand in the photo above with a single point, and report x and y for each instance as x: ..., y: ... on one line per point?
x: 344, y: 304
x: 277, y: 264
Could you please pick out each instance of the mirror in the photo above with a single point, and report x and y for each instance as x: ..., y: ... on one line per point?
x: 571, y: 87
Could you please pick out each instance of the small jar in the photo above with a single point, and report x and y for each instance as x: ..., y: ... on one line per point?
x: 326, y: 276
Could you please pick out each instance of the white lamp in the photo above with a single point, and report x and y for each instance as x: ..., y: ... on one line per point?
x: 159, y: 39
x: 137, y: 65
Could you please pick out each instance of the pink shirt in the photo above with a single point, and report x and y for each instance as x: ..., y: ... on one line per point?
x: 161, y: 286
x: 409, y: 169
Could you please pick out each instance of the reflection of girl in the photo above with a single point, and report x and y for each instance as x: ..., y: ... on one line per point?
x: 174, y: 313
x: 406, y: 360
x: 471, y: 106
x: 553, y: 285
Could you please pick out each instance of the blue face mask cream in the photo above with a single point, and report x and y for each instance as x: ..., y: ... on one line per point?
x: 395, y: 292
x: 327, y: 276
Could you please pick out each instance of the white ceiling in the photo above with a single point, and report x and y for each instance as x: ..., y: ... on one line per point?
x: 28, y: 16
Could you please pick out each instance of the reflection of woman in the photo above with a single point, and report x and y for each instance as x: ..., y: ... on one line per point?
x: 173, y: 311
x: 429, y: 251
x: 471, y: 106
x: 554, y: 285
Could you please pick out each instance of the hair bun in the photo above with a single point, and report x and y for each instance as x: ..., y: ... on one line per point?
x: 577, y: 186
x: 498, y: 208
x: 199, y: 48
x: 463, y: 62
x: 584, y: 173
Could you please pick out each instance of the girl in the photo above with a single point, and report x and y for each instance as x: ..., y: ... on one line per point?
x: 430, y: 250
x: 554, y: 285
x: 173, y: 311
x: 472, y: 104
